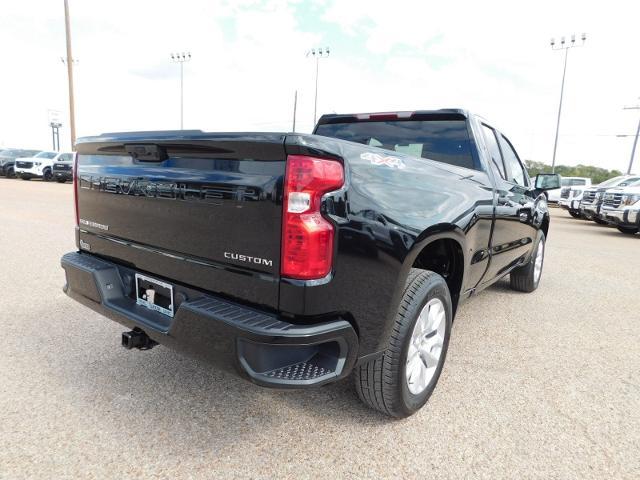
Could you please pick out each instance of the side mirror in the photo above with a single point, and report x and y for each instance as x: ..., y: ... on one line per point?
x: 548, y: 181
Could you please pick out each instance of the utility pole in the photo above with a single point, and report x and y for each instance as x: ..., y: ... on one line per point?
x: 563, y: 46
x: 317, y: 53
x: 635, y: 141
x: 295, y: 107
x: 69, y: 62
x: 181, y: 58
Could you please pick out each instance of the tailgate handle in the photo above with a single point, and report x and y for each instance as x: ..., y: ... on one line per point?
x: 146, y: 152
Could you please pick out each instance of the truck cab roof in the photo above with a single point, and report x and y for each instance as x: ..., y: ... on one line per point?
x: 456, y: 113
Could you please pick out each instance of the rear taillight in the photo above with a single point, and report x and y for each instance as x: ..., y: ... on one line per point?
x: 307, y: 237
x: 75, y: 187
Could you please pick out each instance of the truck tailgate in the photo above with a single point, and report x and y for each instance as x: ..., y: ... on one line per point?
x: 204, y: 209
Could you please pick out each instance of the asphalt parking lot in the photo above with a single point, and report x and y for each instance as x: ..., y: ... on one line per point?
x: 545, y: 385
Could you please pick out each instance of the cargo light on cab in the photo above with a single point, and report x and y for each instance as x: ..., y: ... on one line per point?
x: 307, y: 237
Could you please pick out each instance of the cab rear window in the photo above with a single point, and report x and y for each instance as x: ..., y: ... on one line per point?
x: 444, y: 141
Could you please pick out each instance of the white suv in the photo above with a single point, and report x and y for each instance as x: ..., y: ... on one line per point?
x: 40, y: 165
x: 621, y: 206
x: 571, y: 194
x: 555, y: 195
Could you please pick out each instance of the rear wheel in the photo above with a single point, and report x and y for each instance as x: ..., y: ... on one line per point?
x: 599, y: 221
x: 629, y: 230
x: 47, y: 176
x: 527, y: 277
x: 401, y: 381
x: 25, y: 177
x: 61, y: 180
x: 575, y: 214
x: 11, y: 173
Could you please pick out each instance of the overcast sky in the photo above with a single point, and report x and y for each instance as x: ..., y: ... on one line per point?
x: 248, y: 59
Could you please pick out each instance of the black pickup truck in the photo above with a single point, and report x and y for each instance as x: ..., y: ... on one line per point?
x: 299, y: 259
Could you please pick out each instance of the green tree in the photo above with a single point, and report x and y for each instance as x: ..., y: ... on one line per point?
x: 596, y: 174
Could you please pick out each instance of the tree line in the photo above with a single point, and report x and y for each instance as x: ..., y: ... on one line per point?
x: 596, y: 174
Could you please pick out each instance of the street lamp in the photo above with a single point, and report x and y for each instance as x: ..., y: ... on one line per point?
x: 317, y: 53
x: 564, y: 45
x: 181, y: 58
x: 635, y: 141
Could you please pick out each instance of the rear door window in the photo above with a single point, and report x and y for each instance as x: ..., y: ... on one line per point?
x: 497, y: 165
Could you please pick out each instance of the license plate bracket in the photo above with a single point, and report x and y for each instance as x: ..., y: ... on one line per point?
x: 154, y: 294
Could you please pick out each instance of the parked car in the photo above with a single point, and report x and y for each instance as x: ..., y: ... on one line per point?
x: 231, y: 246
x: 592, y: 199
x: 38, y: 166
x: 63, y: 168
x: 621, y: 207
x: 555, y: 195
x: 8, y: 158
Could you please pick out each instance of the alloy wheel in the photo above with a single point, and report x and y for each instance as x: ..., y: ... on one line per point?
x: 537, y: 267
x: 425, y: 347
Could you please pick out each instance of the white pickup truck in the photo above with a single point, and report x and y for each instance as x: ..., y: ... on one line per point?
x: 592, y: 198
x: 621, y: 207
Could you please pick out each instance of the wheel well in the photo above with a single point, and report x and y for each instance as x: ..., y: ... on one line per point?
x: 444, y: 257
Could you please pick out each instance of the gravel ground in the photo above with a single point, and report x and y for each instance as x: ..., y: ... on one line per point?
x: 545, y: 385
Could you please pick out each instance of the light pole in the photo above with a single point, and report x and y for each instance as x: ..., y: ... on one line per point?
x: 181, y: 58
x: 295, y: 109
x: 635, y: 141
x: 563, y: 46
x: 317, y: 53
x: 55, y: 124
x: 69, y: 62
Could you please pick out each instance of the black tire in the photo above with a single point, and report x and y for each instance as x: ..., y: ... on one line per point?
x: 599, y: 221
x: 628, y: 230
x: 575, y: 214
x: 25, y: 177
x: 47, y: 176
x: 11, y: 173
x: 61, y: 180
x: 381, y: 383
x: 523, y: 279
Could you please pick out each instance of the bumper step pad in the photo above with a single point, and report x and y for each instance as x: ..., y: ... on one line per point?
x: 299, y: 371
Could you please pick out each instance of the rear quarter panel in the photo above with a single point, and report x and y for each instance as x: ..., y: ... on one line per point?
x: 391, y: 207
